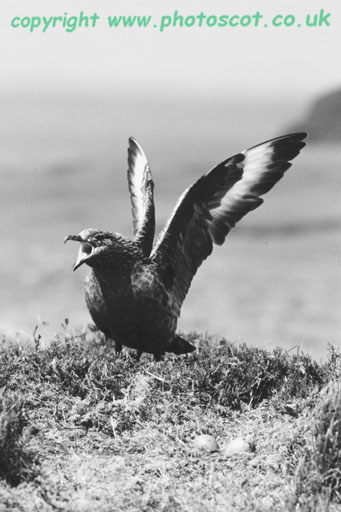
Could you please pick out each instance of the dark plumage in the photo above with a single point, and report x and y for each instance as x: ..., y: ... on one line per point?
x: 135, y: 290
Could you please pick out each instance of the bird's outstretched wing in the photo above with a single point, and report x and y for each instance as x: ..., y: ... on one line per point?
x: 141, y: 188
x: 211, y: 207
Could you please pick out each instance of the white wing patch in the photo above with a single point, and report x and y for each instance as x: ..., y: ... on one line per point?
x: 138, y: 177
x: 141, y: 188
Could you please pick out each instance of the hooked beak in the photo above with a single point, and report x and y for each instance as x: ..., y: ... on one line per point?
x: 84, y: 251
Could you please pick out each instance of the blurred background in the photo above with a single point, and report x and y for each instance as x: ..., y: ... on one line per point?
x: 192, y: 97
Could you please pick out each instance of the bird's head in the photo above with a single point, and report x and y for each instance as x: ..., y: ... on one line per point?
x: 94, y: 243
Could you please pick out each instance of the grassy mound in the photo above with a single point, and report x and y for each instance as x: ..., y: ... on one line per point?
x: 82, y: 429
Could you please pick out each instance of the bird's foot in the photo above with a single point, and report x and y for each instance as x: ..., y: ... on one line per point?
x: 138, y: 354
x: 118, y: 347
x: 113, y: 344
x: 158, y: 357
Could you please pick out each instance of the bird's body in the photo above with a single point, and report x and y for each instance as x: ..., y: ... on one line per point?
x: 135, y: 290
x: 125, y: 295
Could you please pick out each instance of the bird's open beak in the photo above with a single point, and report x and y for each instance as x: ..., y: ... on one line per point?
x: 84, y: 251
x: 75, y: 238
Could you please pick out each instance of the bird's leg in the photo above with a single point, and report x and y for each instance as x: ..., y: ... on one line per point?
x: 158, y: 356
x: 113, y: 343
x: 139, y: 354
x: 109, y: 342
x: 118, y: 347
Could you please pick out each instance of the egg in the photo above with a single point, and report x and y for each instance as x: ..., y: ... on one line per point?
x: 238, y: 445
x: 205, y: 442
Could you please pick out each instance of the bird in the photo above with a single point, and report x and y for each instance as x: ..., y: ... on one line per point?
x: 136, y: 287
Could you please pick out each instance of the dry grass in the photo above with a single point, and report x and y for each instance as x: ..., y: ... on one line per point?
x: 113, y: 434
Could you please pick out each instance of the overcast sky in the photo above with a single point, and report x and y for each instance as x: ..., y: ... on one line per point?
x: 226, y: 60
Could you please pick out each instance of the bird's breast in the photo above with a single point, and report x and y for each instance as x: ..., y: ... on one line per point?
x: 146, y: 284
x: 135, y: 309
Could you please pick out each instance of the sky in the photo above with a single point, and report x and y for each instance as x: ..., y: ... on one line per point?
x: 196, y: 61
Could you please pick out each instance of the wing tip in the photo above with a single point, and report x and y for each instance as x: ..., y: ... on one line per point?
x: 133, y: 144
x: 132, y: 141
x: 297, y: 137
x: 135, y: 151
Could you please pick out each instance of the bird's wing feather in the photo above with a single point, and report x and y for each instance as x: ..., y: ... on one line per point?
x: 141, y: 188
x: 211, y: 207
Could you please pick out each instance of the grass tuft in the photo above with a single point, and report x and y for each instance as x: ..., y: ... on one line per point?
x: 18, y: 463
x: 328, y: 442
x: 319, y: 467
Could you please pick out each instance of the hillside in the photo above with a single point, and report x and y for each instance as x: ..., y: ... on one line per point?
x: 323, y: 120
x: 84, y: 430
